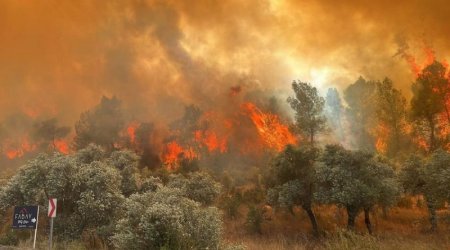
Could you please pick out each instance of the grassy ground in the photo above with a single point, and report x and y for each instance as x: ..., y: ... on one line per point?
x: 403, y: 228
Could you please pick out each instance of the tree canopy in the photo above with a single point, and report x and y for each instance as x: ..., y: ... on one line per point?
x: 430, y: 178
x: 291, y: 179
x: 355, y: 180
x: 308, y: 106
x: 101, y: 125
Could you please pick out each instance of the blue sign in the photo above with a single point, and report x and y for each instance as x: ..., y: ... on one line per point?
x: 25, y: 217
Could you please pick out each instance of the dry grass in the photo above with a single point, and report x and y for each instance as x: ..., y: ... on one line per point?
x: 404, y: 228
x: 346, y: 240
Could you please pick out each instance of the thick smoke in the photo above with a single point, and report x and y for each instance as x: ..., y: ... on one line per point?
x: 60, y: 57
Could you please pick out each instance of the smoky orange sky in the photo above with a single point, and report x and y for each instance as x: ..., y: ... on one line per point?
x: 57, y: 58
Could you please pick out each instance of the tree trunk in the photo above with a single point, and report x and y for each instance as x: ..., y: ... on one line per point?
x: 312, y: 218
x: 367, y: 220
x: 351, y: 213
x: 432, y: 213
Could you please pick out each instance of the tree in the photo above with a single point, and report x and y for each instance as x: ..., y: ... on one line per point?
x: 355, y: 180
x: 101, y: 125
x: 145, y: 141
x: 126, y: 162
x: 391, y: 113
x: 430, y: 94
x: 98, y: 194
x: 47, y: 132
x: 360, y: 98
x: 166, y: 219
x: 188, y: 124
x: 431, y: 178
x: 308, y: 107
x: 291, y: 179
x: 85, y: 191
x: 39, y: 179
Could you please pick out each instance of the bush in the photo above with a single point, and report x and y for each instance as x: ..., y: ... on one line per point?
x: 167, y: 219
x: 86, y: 188
x: 254, y: 220
x: 150, y: 184
x: 199, y: 187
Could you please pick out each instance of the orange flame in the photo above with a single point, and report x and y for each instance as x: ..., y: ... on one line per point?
x: 415, y: 68
x: 13, y: 151
x: 173, y: 152
x: 430, y: 57
x: 272, y: 132
x: 131, y: 131
x: 211, y: 141
x: 62, y: 146
x: 383, y: 134
x: 422, y: 143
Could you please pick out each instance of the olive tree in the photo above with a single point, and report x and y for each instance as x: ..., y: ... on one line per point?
x: 166, y: 219
x: 430, y: 178
x: 86, y: 190
x: 197, y: 186
x: 355, y: 180
x: 126, y: 162
x: 292, y: 180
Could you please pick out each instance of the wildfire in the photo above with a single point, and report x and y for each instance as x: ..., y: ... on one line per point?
x: 62, y: 146
x: 14, y: 151
x: 411, y: 60
x: 415, y: 67
x: 272, y: 132
x: 173, y: 152
x: 423, y: 144
x: 131, y: 131
x: 211, y: 141
x: 383, y: 134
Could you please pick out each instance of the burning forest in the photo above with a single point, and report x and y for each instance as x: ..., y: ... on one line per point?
x: 200, y: 125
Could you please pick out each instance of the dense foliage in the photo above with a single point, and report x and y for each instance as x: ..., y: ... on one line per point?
x: 292, y: 180
x: 167, y: 219
x: 92, y: 186
x: 430, y: 178
x: 355, y: 180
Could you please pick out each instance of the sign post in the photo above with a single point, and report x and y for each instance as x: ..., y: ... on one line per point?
x: 35, y: 230
x: 51, y: 214
x: 26, y: 217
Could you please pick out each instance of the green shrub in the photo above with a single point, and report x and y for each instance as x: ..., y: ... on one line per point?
x: 198, y: 186
x: 167, y: 219
x: 254, y: 220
